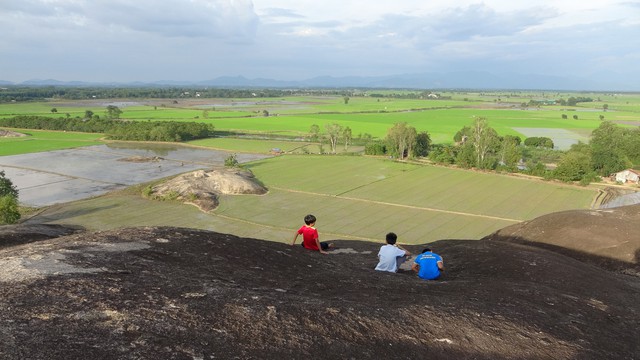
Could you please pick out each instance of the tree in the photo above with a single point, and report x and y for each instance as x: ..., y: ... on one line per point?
x: 601, y: 117
x: 205, y: 114
x: 574, y: 166
x: 466, y: 156
x: 88, y: 114
x: 113, y: 112
x: 346, y: 100
x: 564, y: 116
x: 54, y: 110
x: 265, y: 113
x: 463, y: 134
x: 6, y: 186
x: 575, y: 117
x: 9, y: 213
x: 608, y: 143
x: 401, y: 138
x: 333, y: 134
x: 423, y: 144
x: 314, y: 133
x: 509, y: 153
x: 539, y: 142
x: 605, y: 107
x: 483, y: 139
x: 347, y: 136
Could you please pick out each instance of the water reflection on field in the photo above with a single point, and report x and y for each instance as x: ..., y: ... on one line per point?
x: 65, y: 175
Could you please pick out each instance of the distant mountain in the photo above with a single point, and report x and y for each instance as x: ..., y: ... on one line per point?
x: 452, y: 80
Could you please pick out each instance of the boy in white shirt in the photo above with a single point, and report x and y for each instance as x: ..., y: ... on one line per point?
x: 391, y: 255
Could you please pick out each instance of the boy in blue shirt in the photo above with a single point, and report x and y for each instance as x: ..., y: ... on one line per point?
x: 428, y: 265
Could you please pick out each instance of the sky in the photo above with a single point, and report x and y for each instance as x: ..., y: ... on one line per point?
x: 195, y: 40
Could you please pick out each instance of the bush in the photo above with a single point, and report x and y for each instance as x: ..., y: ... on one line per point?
x: 231, y: 161
x: 6, y: 187
x: 147, y: 192
x: 442, y: 154
x: 375, y: 148
x: 9, y: 213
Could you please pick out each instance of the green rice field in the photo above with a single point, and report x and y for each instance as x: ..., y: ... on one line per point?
x: 38, y: 141
x: 352, y: 197
x: 364, y: 114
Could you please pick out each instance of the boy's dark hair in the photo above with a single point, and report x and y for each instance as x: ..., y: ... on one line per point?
x: 309, y: 219
x: 391, y: 238
x: 426, y: 250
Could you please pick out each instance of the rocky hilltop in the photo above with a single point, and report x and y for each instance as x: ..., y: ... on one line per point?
x: 551, y: 288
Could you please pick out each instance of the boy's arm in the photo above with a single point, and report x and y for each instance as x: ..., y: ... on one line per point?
x: 294, y: 239
x: 415, y: 267
x: 406, y: 252
x: 320, y: 247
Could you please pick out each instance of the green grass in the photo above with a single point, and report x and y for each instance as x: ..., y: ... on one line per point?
x: 293, y: 116
x: 39, y: 141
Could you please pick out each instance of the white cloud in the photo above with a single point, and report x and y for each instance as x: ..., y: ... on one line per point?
x: 124, y: 40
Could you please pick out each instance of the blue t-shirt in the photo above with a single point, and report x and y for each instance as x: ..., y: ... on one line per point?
x: 428, y: 265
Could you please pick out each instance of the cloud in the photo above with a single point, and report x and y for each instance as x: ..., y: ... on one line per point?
x: 225, y: 19
x: 126, y: 40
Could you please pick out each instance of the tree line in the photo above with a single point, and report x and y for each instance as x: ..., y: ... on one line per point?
x: 611, y: 149
x: 116, y: 129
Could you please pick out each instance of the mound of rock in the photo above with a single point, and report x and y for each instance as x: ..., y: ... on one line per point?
x: 171, y: 293
x: 608, y: 237
x: 203, y: 187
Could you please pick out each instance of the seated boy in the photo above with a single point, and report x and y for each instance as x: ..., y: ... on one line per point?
x: 428, y: 265
x: 391, y: 255
x: 310, y: 238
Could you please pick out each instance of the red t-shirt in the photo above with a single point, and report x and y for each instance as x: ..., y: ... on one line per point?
x: 309, y: 236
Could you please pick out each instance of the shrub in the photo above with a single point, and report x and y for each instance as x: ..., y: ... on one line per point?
x: 9, y: 213
x: 231, y: 161
x: 375, y: 148
x: 147, y: 192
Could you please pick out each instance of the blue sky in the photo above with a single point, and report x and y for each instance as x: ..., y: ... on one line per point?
x: 192, y: 40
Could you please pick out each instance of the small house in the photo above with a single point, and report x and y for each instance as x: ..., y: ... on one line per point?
x: 627, y: 176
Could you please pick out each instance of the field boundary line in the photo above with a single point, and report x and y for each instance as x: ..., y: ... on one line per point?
x: 66, y: 176
x: 292, y: 230
x: 400, y: 205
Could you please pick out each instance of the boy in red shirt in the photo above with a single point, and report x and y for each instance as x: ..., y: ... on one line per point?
x: 310, y: 239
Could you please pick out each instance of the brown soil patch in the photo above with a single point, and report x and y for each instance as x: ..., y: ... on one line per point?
x: 141, y: 159
x: 170, y: 293
x: 202, y: 187
x: 7, y: 133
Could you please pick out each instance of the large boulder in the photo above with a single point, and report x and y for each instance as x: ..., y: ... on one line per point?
x: 203, y: 187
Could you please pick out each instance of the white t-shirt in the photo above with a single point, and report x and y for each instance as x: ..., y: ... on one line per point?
x: 388, y: 256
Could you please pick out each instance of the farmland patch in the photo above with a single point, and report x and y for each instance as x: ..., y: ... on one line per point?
x: 562, y: 138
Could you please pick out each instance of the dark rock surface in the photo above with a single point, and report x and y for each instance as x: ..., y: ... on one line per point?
x: 173, y: 293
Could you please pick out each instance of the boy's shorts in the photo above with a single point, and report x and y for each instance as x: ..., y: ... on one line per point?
x: 323, y: 245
